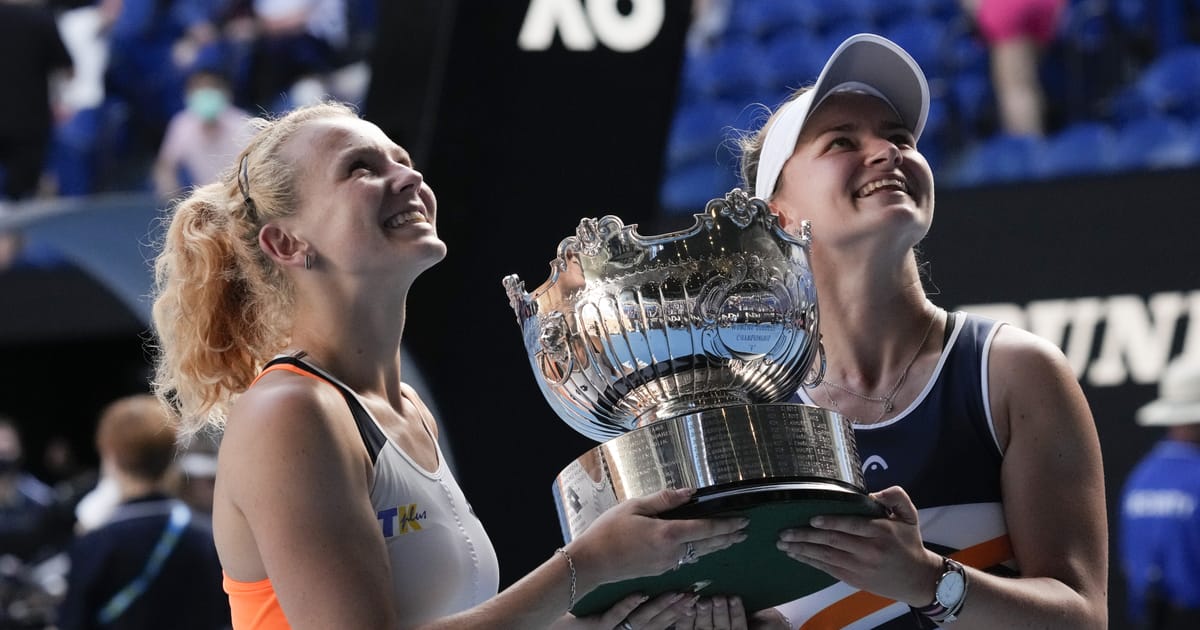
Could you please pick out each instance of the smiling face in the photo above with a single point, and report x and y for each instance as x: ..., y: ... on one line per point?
x: 363, y: 206
x: 856, y: 173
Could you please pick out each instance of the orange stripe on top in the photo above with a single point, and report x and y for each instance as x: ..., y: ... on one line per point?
x: 861, y: 603
x: 253, y: 605
x: 290, y: 368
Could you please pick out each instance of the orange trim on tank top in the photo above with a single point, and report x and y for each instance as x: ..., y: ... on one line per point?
x: 861, y: 603
x: 253, y: 605
x: 290, y: 368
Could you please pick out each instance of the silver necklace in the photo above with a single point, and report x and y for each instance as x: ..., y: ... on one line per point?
x: 886, y: 400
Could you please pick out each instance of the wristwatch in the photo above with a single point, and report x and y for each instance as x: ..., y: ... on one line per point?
x: 949, y: 593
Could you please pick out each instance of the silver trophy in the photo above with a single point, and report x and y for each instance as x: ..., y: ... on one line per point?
x: 674, y: 352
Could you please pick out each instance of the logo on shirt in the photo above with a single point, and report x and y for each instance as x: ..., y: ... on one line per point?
x: 874, y: 463
x: 401, y: 520
x: 1159, y: 504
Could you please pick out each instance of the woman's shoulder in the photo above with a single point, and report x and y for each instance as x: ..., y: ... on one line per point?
x: 1017, y: 348
x: 1030, y: 377
x: 285, y: 410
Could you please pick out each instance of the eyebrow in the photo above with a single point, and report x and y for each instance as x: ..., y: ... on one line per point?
x: 394, y: 151
x: 888, y: 126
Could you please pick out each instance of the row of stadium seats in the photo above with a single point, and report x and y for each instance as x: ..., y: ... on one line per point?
x: 1126, y: 104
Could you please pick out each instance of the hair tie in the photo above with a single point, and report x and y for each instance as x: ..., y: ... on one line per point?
x: 244, y: 180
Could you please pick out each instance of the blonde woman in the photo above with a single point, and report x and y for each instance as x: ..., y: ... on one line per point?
x: 333, y: 505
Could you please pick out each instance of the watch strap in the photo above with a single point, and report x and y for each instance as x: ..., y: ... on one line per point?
x: 937, y: 611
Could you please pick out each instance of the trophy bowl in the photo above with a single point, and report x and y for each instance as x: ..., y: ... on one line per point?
x: 674, y: 351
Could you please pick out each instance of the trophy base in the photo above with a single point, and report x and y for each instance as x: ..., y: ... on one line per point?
x: 754, y: 569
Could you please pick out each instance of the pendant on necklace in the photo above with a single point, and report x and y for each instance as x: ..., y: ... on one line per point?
x: 887, y: 405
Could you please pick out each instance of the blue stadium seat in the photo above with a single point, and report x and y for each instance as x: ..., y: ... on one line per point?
x: 965, y: 51
x: 792, y: 59
x: 1080, y: 149
x: 1161, y: 21
x: 939, y: 132
x: 972, y: 99
x: 837, y: 32
x: 1001, y: 158
x: 728, y: 71
x: 945, y: 9
x: 887, y: 11
x: 686, y: 190
x: 830, y: 13
x: 1171, y: 85
x: 1128, y: 105
x: 922, y: 37
x: 1086, y: 25
x: 697, y: 131
x: 761, y: 19
x: 1155, y: 142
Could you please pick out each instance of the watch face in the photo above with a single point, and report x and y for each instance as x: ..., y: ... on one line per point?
x: 950, y: 589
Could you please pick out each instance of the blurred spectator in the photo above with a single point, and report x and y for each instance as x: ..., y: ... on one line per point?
x: 202, y: 138
x: 1160, y: 522
x: 70, y: 480
x: 198, y: 474
x: 153, y: 564
x: 151, y: 46
x: 97, y: 506
x: 26, y: 504
x: 32, y: 59
x: 303, y: 48
x: 1016, y: 32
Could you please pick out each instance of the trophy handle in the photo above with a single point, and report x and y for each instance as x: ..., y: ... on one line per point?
x: 817, y: 372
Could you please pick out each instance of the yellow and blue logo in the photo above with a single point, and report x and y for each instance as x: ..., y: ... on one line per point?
x: 401, y: 520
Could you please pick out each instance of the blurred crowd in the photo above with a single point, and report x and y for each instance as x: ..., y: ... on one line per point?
x: 133, y: 95
x: 78, y: 546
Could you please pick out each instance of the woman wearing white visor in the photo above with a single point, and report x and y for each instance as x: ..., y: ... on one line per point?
x: 973, y: 433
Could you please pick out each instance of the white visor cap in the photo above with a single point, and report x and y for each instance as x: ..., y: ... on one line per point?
x: 864, y: 63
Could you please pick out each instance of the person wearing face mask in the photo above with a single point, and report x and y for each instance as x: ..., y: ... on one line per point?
x: 974, y: 434
x: 202, y: 138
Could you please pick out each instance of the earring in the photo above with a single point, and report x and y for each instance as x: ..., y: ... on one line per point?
x: 307, y: 261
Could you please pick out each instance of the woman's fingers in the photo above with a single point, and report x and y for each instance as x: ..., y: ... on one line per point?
x: 897, y: 501
x: 686, y: 529
x: 662, y: 611
x: 720, y: 613
x: 717, y: 543
x: 769, y: 619
x: 662, y: 501
x: 620, y: 610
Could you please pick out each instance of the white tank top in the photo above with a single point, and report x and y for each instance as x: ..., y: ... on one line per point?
x: 442, y: 560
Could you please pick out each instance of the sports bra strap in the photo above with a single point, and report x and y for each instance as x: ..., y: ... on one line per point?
x: 372, y: 436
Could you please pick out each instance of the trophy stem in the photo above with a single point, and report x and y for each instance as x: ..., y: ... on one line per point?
x: 693, y: 403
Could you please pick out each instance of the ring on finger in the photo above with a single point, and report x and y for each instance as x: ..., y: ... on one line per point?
x: 625, y: 625
x: 689, y: 554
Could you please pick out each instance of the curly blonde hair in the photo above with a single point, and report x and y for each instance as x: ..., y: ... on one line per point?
x: 221, y: 308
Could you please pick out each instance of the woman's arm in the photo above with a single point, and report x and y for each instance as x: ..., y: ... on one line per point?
x: 1053, y: 485
x: 296, y: 471
x: 626, y: 541
x: 299, y: 477
x: 1053, y: 488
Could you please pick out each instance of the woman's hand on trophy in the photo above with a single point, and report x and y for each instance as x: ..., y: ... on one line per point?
x: 728, y: 613
x: 629, y: 540
x: 885, y: 556
x: 716, y: 613
x: 638, y: 612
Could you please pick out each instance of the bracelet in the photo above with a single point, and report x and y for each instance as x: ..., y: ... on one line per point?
x: 571, y: 566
